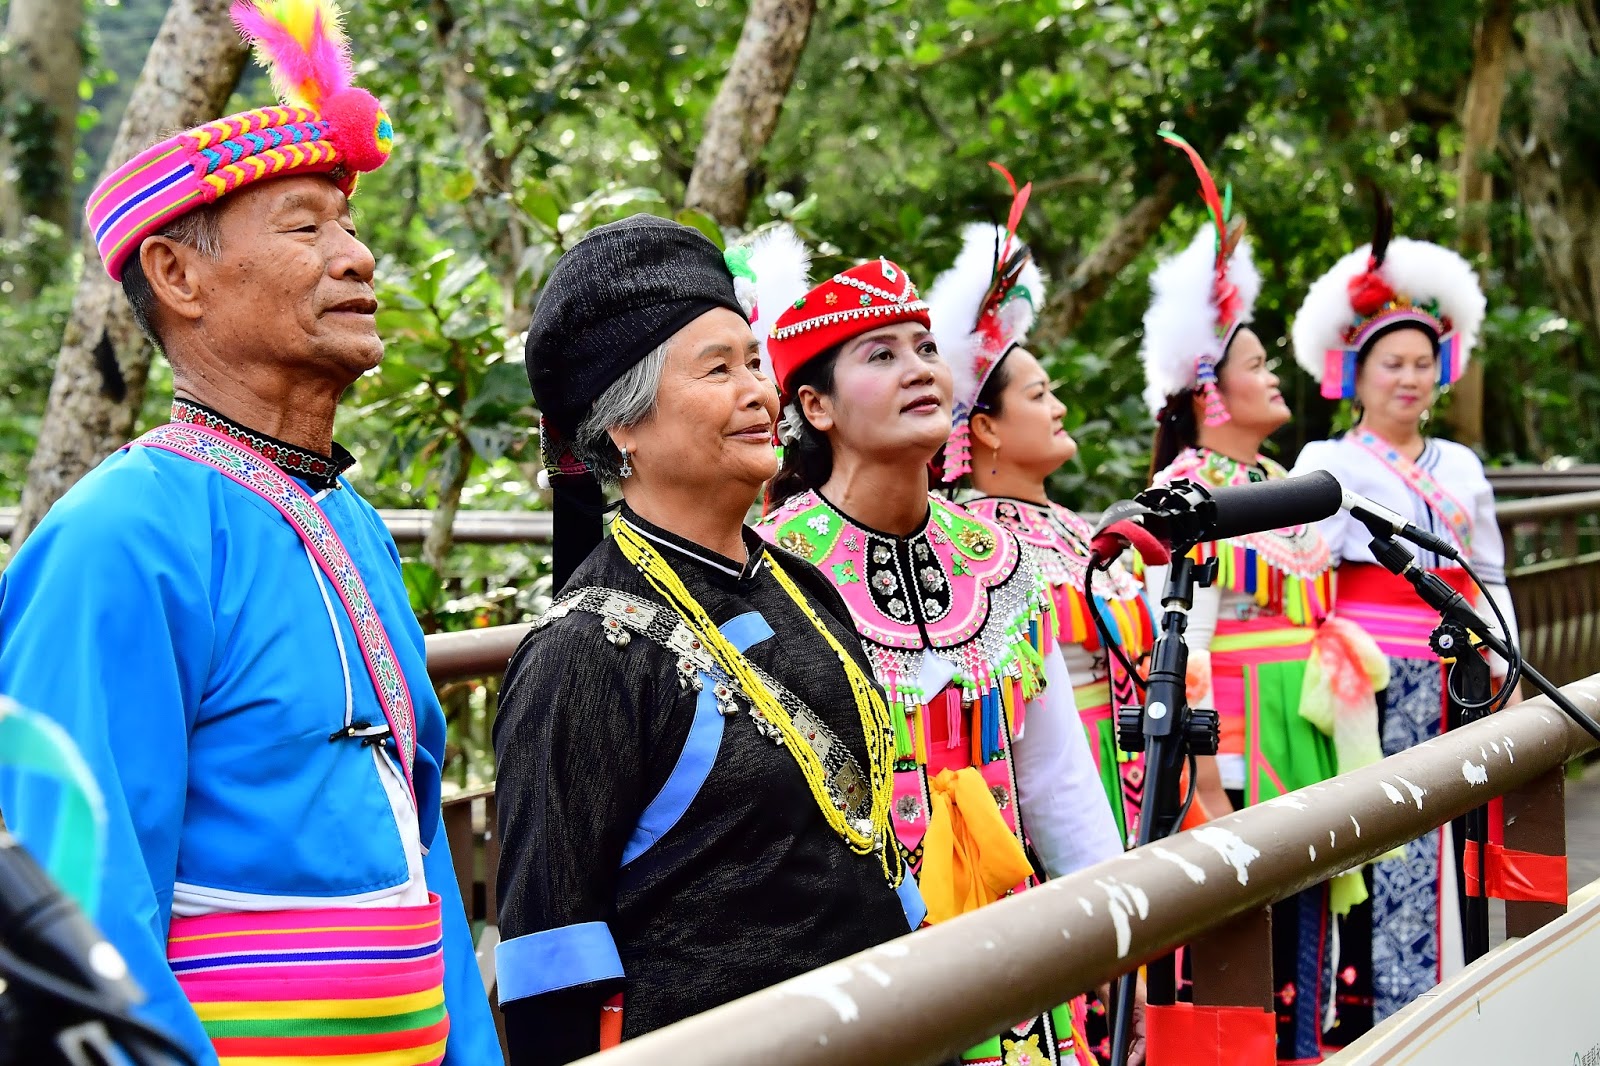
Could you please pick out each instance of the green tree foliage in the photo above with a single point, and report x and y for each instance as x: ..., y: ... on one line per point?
x: 524, y: 123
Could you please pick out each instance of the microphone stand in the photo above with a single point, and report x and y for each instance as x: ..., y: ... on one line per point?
x: 1453, y: 640
x: 1169, y: 732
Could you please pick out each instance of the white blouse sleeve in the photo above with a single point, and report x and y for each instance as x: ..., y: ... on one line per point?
x: 1342, y: 532
x: 1489, y: 560
x: 1059, y: 792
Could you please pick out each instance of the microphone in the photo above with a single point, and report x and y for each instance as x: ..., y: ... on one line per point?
x: 1382, y: 522
x: 1119, y: 528
x: 1183, y: 514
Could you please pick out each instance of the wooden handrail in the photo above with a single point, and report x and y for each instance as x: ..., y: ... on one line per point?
x: 482, y: 652
x: 924, y: 997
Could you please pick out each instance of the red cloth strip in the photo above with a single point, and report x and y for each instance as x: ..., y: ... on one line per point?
x: 1183, y: 1034
x: 1517, y: 875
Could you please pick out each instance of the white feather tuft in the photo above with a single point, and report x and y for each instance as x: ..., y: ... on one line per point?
x: 1180, y: 324
x: 1321, y: 322
x: 782, y: 265
x: 957, y: 295
x: 1419, y: 270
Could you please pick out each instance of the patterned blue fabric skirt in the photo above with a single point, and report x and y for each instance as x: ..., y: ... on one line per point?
x: 1398, y: 945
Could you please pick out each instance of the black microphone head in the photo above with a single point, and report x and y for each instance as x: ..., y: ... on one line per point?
x: 1292, y: 501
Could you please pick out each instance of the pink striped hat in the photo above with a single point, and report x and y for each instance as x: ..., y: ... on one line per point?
x: 326, y: 126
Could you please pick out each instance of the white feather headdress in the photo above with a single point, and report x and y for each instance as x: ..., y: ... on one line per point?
x: 1180, y: 325
x: 973, y: 338
x: 1388, y: 283
x: 981, y: 308
x: 1198, y: 300
x: 770, y: 273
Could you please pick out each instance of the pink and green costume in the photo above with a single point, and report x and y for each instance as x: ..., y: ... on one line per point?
x: 1060, y: 539
x: 960, y: 627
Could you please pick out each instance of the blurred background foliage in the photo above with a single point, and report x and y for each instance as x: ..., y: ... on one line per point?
x: 524, y: 123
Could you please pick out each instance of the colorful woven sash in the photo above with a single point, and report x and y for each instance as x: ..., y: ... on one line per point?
x: 1455, y: 517
x: 258, y: 474
x: 1390, y: 610
x: 348, y: 986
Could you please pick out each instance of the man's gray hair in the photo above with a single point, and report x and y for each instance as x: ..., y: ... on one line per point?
x: 630, y: 400
x: 200, y: 229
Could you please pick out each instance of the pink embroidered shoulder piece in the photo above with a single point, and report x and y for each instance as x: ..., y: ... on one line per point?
x: 1060, y: 539
x: 1285, y: 569
x: 960, y: 587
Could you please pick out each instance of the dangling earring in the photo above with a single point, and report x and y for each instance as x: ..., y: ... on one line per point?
x: 626, y: 471
x: 1427, y: 413
x: 994, y: 467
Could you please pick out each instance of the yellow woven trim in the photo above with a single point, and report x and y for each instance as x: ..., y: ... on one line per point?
x: 1287, y: 637
x: 278, y: 1010
x: 404, y: 1057
x: 877, y: 727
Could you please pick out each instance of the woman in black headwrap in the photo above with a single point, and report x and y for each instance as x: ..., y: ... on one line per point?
x: 694, y: 765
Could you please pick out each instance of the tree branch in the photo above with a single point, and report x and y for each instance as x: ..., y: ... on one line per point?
x: 746, y: 110
x: 192, y: 69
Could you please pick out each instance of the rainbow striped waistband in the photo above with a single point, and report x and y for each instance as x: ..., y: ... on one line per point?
x: 348, y: 986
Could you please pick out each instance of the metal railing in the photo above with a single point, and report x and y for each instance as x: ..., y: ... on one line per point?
x: 1552, y: 565
x: 1553, y: 572
x: 533, y: 527
x: 1208, y: 888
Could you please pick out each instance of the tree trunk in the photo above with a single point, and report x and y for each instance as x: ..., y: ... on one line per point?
x: 488, y: 209
x: 193, y: 66
x: 745, y: 112
x: 39, y: 70
x: 1554, y: 159
x: 1065, y: 309
x: 442, y: 529
x: 1480, y: 122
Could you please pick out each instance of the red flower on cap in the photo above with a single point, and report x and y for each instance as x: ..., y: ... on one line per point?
x: 846, y: 305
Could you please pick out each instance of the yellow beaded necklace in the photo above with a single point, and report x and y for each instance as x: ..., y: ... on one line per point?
x: 875, y: 721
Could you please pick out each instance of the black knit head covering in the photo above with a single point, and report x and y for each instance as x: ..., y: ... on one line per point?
x: 614, y: 298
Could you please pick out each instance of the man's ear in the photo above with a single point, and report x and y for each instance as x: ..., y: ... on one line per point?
x: 172, y: 270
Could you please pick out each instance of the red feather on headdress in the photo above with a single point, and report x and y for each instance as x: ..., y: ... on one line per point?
x: 1013, y: 255
x: 1369, y: 292
x: 1229, y: 231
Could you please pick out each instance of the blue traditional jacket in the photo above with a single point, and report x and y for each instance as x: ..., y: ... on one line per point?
x: 173, y: 623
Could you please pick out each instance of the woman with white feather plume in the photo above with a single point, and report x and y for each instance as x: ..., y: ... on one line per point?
x: 1261, y: 650
x: 1388, y: 326
x: 1007, y: 438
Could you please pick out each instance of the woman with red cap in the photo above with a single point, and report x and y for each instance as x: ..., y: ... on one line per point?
x: 953, y: 610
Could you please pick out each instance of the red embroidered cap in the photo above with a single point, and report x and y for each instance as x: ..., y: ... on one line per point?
x: 846, y: 305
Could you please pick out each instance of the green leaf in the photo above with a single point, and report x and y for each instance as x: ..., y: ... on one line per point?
x: 459, y: 186
x: 541, y: 205
x: 504, y: 389
x: 705, y: 224
x: 458, y: 277
x: 424, y: 585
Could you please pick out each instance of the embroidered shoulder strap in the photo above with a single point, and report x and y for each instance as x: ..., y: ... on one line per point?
x: 624, y: 616
x: 1456, y: 518
x: 256, y: 473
